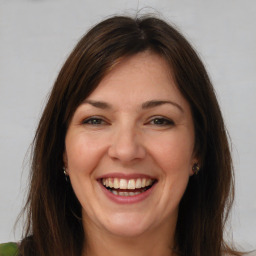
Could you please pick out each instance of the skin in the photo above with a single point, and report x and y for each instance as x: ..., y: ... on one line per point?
x: 129, y: 136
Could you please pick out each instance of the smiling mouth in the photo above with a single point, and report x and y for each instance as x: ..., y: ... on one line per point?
x: 127, y: 187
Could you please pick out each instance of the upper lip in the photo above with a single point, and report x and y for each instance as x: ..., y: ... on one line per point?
x: 126, y: 176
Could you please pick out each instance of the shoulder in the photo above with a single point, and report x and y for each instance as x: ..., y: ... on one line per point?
x: 8, y: 249
x: 251, y: 254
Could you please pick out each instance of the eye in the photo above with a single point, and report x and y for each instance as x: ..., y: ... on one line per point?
x: 94, y: 121
x: 161, y: 121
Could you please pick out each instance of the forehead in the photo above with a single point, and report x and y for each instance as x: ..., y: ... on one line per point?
x: 142, y: 65
x: 141, y: 77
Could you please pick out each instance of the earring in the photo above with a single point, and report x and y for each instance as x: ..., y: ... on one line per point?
x: 195, y: 168
x: 65, y: 173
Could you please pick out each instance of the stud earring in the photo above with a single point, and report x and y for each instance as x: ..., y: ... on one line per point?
x: 195, y: 168
x: 65, y: 173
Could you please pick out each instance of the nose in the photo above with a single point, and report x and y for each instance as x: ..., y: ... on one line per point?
x: 126, y: 145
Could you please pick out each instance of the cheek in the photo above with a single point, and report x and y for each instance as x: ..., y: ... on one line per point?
x: 83, y: 153
x: 174, y: 153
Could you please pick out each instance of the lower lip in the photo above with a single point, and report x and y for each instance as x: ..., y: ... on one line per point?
x: 127, y: 199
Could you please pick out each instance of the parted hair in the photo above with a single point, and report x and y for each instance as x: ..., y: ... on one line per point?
x: 54, y: 225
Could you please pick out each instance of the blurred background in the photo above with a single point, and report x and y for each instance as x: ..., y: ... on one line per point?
x: 36, y: 36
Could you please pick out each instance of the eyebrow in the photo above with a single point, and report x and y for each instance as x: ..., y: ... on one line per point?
x: 98, y: 104
x: 146, y: 105
x: 156, y: 103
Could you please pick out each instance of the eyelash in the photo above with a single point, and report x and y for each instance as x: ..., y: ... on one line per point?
x: 163, y: 121
x: 91, y: 121
x: 158, y: 121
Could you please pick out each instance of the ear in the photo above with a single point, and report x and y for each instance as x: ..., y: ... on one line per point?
x: 194, y: 161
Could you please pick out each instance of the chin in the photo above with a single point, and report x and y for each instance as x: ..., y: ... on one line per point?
x: 127, y: 225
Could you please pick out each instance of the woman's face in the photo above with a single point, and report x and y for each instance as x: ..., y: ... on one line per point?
x: 129, y: 149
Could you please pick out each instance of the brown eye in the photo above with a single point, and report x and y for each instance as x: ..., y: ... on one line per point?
x: 160, y: 121
x: 94, y: 121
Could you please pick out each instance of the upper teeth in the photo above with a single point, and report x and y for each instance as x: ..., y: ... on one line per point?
x: 127, y: 184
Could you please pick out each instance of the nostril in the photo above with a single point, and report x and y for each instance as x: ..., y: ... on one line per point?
x: 126, y: 152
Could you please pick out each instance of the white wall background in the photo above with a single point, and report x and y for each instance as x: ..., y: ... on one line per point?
x: 37, y: 35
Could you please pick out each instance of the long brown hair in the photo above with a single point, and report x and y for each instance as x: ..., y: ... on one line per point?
x: 53, y: 212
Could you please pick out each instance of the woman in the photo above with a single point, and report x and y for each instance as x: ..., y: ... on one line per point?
x: 131, y: 155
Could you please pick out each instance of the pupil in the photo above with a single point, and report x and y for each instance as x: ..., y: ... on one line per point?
x: 96, y: 121
x: 158, y: 121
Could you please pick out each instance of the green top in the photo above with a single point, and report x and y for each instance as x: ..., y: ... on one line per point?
x: 8, y: 249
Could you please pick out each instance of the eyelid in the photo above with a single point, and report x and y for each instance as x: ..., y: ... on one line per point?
x: 168, y: 121
x: 164, y: 121
x: 85, y: 121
